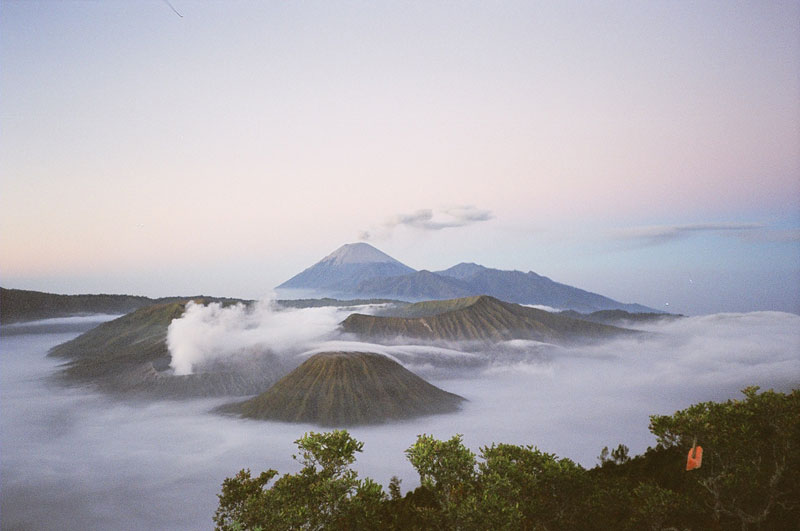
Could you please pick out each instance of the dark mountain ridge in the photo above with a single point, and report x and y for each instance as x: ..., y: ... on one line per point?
x: 18, y: 305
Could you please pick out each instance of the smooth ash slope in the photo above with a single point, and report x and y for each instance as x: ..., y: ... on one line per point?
x: 342, y: 270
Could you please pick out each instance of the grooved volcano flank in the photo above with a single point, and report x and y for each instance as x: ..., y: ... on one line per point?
x: 130, y: 355
x: 415, y: 286
x: 349, y: 388
x: 480, y: 318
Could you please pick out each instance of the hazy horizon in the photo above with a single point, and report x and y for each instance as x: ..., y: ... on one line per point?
x: 724, y: 302
x: 643, y: 151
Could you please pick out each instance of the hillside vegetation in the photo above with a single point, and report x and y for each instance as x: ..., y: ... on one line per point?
x: 749, y: 479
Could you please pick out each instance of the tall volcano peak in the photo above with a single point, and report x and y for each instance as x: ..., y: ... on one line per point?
x: 343, y: 269
x: 357, y: 253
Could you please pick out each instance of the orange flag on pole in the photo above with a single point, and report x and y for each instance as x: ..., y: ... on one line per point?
x: 695, y: 458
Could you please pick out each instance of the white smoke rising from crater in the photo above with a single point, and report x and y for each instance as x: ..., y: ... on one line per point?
x: 211, y: 333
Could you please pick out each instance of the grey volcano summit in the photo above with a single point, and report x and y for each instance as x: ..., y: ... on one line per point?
x: 341, y: 271
x: 359, y: 270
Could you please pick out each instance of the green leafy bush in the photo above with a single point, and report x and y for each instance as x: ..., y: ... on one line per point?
x: 748, y: 480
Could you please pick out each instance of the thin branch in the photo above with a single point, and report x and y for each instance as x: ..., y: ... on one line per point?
x: 173, y: 8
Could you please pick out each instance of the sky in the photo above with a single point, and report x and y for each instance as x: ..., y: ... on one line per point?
x: 647, y: 151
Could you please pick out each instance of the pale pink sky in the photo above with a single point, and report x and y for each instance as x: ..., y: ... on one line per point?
x: 224, y: 151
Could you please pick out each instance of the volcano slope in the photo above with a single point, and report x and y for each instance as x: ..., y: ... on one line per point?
x: 348, y: 388
x: 129, y: 355
x: 480, y: 319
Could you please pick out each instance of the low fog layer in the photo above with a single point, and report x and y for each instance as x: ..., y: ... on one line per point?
x: 56, y: 325
x: 72, y: 459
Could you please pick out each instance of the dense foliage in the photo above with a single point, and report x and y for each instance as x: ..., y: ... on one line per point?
x: 749, y: 479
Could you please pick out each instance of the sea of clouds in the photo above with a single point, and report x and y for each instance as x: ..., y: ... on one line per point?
x: 74, y: 459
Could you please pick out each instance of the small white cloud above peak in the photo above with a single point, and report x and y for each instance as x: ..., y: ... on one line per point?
x: 427, y: 219
x: 357, y: 253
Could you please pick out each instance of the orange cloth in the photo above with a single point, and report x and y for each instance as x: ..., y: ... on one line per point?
x: 694, y: 461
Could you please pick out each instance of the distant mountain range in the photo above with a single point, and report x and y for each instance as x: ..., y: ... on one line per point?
x: 361, y: 270
x: 21, y: 307
x: 24, y: 305
x: 18, y: 305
